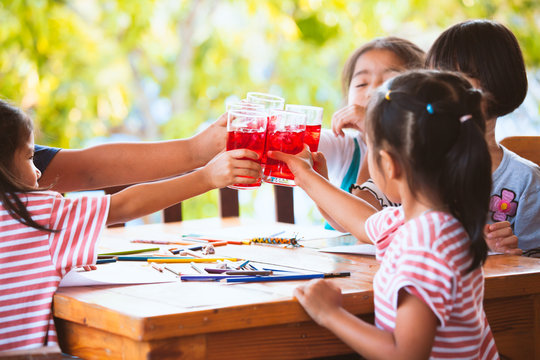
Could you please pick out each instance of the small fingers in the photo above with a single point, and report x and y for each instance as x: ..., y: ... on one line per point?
x: 244, y: 153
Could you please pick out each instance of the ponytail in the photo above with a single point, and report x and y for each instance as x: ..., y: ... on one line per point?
x: 432, y: 124
x: 467, y: 172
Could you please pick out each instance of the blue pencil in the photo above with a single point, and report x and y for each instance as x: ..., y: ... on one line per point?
x: 105, y: 261
x: 274, y: 278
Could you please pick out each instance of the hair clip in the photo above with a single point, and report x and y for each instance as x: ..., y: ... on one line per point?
x: 387, y: 96
x: 465, y: 118
x: 429, y: 108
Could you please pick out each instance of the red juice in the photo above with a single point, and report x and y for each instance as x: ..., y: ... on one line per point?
x: 269, y: 123
x: 291, y: 142
x: 252, y: 140
x: 313, y: 134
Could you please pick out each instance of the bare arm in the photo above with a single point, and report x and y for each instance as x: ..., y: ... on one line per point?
x: 228, y: 168
x: 338, y: 204
x: 412, y: 338
x: 128, y: 163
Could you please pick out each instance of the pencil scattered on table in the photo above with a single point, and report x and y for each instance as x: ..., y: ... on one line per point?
x: 196, y: 260
x: 127, y: 252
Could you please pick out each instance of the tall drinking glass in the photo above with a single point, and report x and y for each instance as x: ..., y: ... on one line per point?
x: 270, y: 102
x: 285, y: 132
x: 314, y: 116
x: 244, y: 105
x: 246, y: 129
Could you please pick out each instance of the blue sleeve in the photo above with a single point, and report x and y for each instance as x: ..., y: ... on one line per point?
x: 43, y: 156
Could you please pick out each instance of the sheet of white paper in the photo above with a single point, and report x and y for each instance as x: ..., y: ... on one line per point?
x: 360, y: 249
x: 117, y: 273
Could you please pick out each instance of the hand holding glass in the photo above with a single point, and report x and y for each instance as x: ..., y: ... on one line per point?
x: 285, y: 133
x: 246, y: 129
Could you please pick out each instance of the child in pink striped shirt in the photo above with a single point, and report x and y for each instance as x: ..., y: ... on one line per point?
x: 43, y: 235
x: 425, y: 135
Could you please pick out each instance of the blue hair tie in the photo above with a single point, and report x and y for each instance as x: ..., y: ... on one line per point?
x: 429, y: 108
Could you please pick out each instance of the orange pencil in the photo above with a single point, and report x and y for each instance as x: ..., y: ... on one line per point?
x: 220, y: 243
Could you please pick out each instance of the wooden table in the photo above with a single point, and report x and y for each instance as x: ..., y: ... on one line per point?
x: 186, y: 320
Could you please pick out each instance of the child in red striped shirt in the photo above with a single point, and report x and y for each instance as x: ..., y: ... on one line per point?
x: 425, y: 135
x: 43, y: 235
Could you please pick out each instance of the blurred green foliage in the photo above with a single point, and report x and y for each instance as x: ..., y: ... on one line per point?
x: 86, y: 69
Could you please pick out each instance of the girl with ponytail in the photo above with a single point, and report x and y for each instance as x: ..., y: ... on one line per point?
x: 426, y: 150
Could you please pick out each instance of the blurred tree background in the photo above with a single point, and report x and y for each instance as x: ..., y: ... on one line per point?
x: 89, y: 71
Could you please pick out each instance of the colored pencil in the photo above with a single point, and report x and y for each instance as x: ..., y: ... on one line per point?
x: 197, y: 260
x: 148, y: 258
x: 198, y: 268
x: 171, y: 270
x: 288, y: 277
x: 275, y: 278
x: 248, y: 272
x: 157, y: 267
x: 337, y: 274
x: 215, y: 270
x: 193, y: 247
x: 127, y: 252
x: 105, y: 261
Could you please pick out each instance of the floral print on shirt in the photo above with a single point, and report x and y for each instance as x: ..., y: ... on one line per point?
x: 503, y: 206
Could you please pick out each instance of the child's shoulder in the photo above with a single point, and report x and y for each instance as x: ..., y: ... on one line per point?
x: 40, y: 195
x: 512, y: 163
x: 386, y: 221
x: 517, y: 173
x: 436, y: 231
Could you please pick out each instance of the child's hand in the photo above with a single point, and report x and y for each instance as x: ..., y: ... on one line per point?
x: 89, y: 267
x: 320, y: 298
x: 500, y: 238
x: 319, y: 164
x: 233, y: 167
x: 298, y: 163
x: 349, y: 117
x: 211, y: 140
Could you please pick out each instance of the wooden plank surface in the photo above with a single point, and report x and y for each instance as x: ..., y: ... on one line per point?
x: 211, y: 320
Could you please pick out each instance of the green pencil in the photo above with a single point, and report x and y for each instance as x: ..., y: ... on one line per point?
x: 127, y: 252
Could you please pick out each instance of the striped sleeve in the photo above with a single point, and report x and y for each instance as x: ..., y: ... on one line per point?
x: 380, y: 226
x: 428, y: 277
x: 79, y: 222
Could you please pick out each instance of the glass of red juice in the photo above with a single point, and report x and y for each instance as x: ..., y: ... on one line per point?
x: 269, y: 102
x: 246, y: 129
x: 314, y: 116
x: 285, y: 132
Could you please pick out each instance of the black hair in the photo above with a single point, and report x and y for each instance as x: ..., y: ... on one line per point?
x: 411, y: 55
x: 15, y: 129
x: 431, y: 124
x: 489, y: 52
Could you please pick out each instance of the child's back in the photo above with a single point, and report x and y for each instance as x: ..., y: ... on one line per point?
x: 429, y: 257
x: 425, y: 136
x: 33, y: 261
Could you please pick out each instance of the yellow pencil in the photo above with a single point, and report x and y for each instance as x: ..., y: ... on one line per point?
x: 196, y: 260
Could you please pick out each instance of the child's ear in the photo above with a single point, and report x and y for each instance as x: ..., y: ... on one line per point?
x: 389, y: 165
